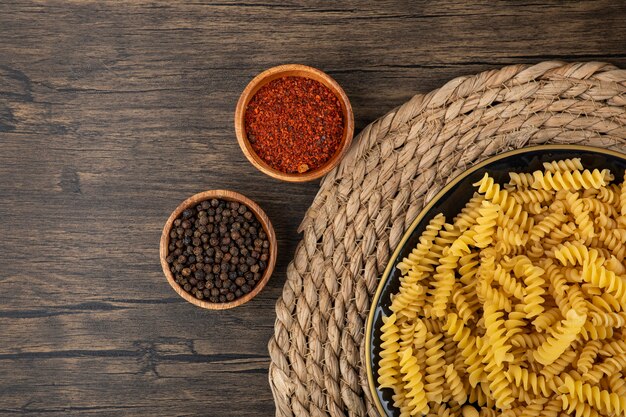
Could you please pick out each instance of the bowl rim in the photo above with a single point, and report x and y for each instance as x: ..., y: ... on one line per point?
x: 269, y: 75
x: 227, y: 195
x: 407, y: 234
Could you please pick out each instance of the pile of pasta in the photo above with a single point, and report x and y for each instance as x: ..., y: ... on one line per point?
x: 517, y: 307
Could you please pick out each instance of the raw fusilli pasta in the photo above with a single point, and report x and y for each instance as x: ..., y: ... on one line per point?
x: 517, y: 307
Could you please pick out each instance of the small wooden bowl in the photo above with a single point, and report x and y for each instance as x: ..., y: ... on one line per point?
x: 229, y: 196
x: 295, y: 70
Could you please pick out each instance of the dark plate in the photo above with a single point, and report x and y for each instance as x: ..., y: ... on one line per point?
x: 450, y: 201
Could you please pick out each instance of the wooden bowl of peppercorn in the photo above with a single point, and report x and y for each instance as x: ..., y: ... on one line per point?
x: 294, y: 122
x: 218, y: 249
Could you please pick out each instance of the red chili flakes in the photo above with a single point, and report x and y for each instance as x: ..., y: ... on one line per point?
x: 294, y: 124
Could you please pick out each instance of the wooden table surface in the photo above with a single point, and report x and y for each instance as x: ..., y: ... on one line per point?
x: 111, y: 114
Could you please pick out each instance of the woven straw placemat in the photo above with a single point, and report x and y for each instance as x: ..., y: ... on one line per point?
x: 398, y: 163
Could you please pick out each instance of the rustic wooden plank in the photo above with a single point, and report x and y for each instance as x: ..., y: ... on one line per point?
x: 111, y: 114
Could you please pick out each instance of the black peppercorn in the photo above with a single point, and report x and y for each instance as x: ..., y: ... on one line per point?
x: 218, y: 250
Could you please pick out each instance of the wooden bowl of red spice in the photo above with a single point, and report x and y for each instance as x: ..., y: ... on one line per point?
x: 294, y: 122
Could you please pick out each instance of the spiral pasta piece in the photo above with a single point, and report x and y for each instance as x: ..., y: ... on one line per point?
x: 547, y: 225
x: 496, y: 332
x: 462, y: 245
x: 613, y: 347
x: 573, y: 164
x: 409, y: 301
x: 532, y: 196
x: 509, y: 236
x: 588, y: 356
x: 602, y: 220
x: 389, y: 359
x: 556, y: 277
x: 461, y: 304
x: 611, y: 319
x: 547, y: 319
x: 608, y: 366
x: 579, y: 408
x: 591, y: 332
x: 508, y: 283
x: 597, y: 207
x: 414, y: 387
x: 468, y: 215
x: 536, y: 384
x: 617, y: 383
x: 407, y: 332
x: 443, y: 283
x: 456, y: 385
x: 521, y: 179
x: 598, y: 275
x: 611, y: 239
x: 604, y: 401
x: 419, y: 255
x: 499, y: 387
x: 560, y: 364
x: 575, y: 253
x: 622, y: 198
x: 561, y: 338
x: 573, y: 180
x: 485, y: 226
x: 533, y: 279
x: 581, y: 216
x: 609, y: 194
x: 434, y: 369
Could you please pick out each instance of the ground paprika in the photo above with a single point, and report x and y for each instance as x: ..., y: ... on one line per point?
x: 295, y: 124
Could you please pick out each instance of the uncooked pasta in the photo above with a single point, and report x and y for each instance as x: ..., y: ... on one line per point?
x: 517, y: 306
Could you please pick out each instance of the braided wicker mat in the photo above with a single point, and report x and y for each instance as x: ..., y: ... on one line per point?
x: 398, y: 163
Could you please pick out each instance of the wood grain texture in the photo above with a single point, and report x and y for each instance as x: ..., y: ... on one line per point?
x: 111, y: 114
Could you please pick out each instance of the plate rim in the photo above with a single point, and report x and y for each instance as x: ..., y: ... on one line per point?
x: 418, y: 219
